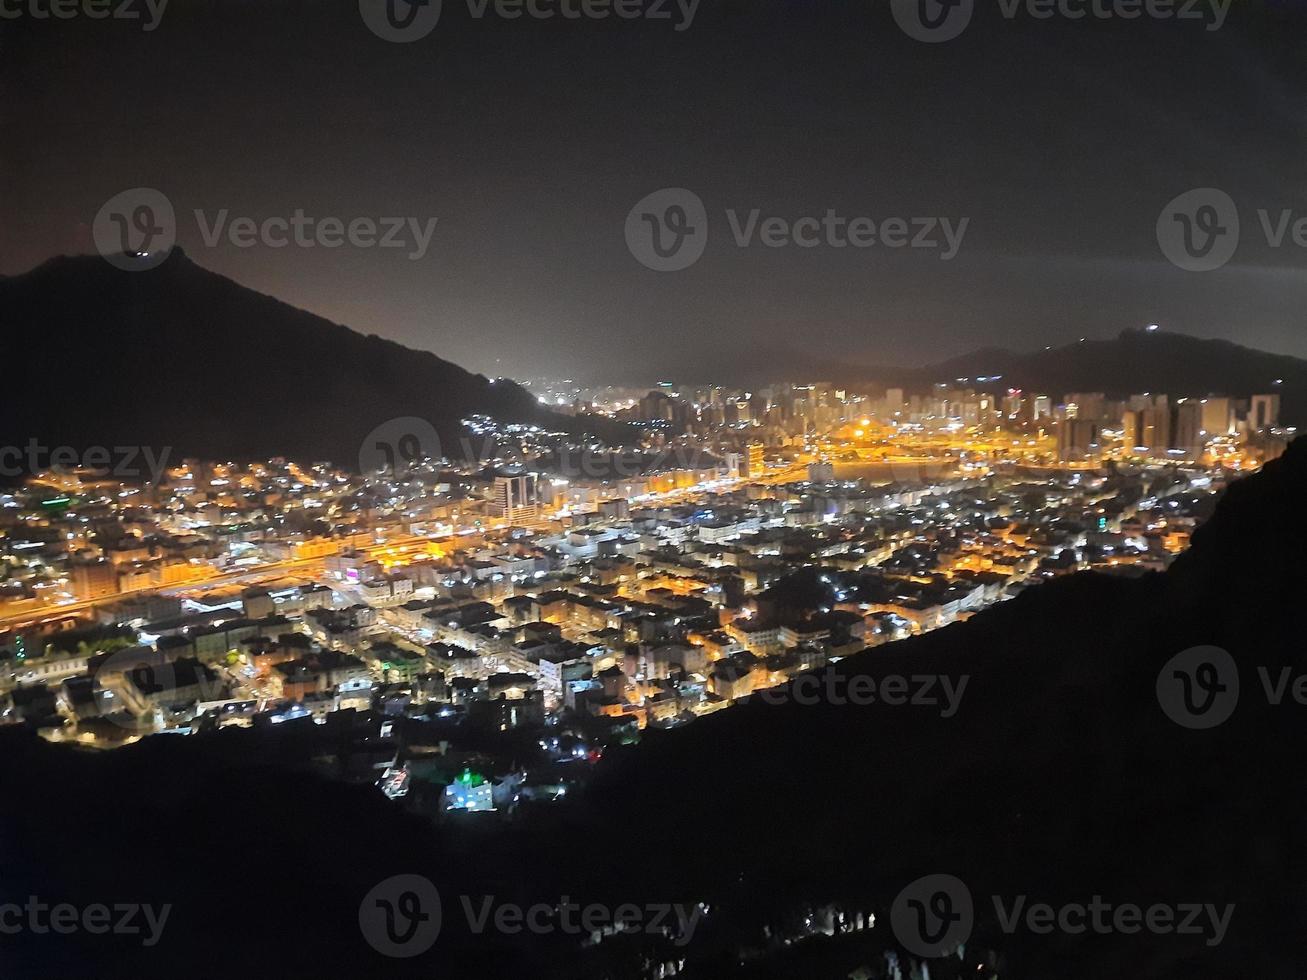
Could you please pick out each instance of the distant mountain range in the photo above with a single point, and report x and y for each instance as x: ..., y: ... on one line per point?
x: 1135, y: 361
x: 178, y: 356
x: 181, y: 357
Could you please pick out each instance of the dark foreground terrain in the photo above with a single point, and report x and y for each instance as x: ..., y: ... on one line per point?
x: 1059, y: 778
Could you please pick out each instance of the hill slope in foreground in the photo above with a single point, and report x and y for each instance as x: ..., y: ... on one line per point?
x: 180, y: 357
x: 1058, y: 778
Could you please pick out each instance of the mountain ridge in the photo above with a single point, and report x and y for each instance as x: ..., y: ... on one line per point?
x: 248, y: 375
x: 1133, y: 362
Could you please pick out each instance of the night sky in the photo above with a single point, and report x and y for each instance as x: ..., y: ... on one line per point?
x: 531, y: 140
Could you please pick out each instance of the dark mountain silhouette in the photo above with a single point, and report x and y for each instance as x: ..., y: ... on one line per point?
x: 1141, y: 360
x: 1059, y: 778
x: 1134, y: 361
x: 181, y: 357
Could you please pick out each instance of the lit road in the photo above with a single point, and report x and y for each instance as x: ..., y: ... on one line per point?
x: 406, y: 547
x: 53, y: 612
x: 397, y: 551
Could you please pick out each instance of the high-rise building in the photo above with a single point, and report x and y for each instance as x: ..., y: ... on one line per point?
x: 517, y: 498
x: 737, y: 412
x: 1187, y: 427
x: 1138, y: 403
x: 1086, y: 405
x: 1012, y: 403
x: 1218, y: 416
x: 655, y: 406
x: 1265, y: 412
x: 1147, y: 430
x: 1155, y: 430
x: 1078, y: 439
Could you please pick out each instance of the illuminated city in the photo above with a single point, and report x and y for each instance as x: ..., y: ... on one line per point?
x: 561, y: 589
x: 652, y: 489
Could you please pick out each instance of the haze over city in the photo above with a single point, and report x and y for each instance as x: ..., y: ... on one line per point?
x: 530, y: 140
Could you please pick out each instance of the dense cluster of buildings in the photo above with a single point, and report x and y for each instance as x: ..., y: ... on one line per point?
x: 574, y: 609
x: 1053, y: 427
